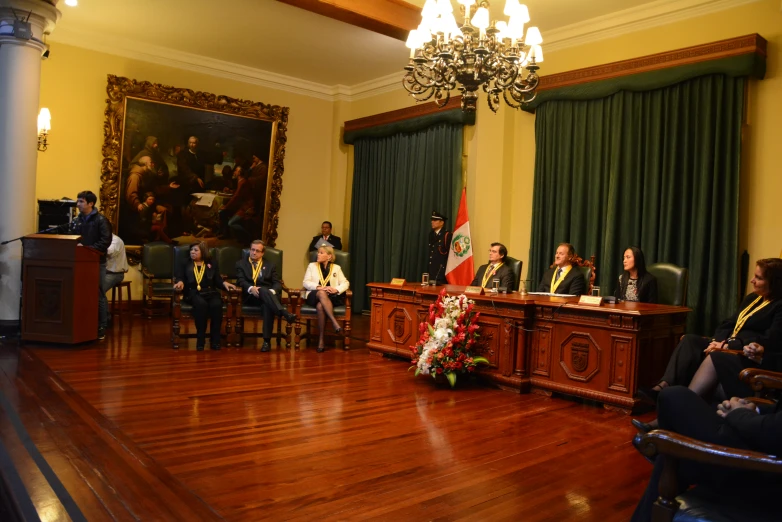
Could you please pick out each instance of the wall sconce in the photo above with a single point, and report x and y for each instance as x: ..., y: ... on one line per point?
x: 44, y: 126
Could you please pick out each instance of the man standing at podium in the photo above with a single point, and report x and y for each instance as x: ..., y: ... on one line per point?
x: 95, y: 232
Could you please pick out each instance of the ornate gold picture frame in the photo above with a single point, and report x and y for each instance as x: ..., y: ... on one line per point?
x: 244, y: 139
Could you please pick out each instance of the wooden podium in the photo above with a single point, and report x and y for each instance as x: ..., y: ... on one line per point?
x: 59, y: 290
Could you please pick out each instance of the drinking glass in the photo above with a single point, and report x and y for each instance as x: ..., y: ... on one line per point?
x: 425, y: 279
x: 596, y: 291
x: 495, y: 286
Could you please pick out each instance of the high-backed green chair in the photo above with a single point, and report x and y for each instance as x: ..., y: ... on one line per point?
x: 156, y: 263
x: 671, y: 283
x: 515, y: 267
x: 308, y: 313
x: 181, y: 309
x: 588, y: 270
x: 226, y: 257
x: 242, y: 311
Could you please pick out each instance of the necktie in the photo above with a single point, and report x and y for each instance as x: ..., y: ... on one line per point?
x: 559, y: 274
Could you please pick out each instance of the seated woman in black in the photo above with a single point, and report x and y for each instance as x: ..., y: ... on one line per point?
x: 200, y: 279
x: 756, y: 330
x: 326, y: 286
x: 563, y: 277
x: 636, y: 284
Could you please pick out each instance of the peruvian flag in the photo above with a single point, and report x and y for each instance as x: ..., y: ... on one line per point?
x: 460, y: 270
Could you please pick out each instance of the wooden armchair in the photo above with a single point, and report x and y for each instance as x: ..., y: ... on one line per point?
x: 242, y: 311
x: 698, y: 503
x: 588, y: 269
x: 342, y: 314
x: 181, y: 309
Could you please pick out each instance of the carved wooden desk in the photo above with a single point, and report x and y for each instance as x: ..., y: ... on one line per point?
x: 546, y: 344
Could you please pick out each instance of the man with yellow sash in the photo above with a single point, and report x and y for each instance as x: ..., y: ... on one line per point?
x: 563, y: 277
x: 261, y: 286
x: 495, y: 269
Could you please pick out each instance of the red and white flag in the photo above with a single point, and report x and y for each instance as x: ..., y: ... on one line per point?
x: 460, y: 270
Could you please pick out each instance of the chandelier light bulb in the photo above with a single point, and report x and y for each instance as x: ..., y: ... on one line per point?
x: 533, y: 37
x: 537, y: 52
x: 502, y: 27
x: 429, y: 12
x: 510, y: 7
x: 71, y: 3
x: 444, y: 7
x: 523, y: 13
x: 466, y: 3
x: 481, y: 18
x: 515, y: 27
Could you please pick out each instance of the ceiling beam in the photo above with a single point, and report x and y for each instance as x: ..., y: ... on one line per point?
x: 394, y: 18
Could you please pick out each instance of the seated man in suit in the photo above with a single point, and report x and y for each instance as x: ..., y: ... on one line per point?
x: 737, y: 423
x: 261, y: 286
x: 496, y: 269
x: 325, y: 230
x: 563, y: 277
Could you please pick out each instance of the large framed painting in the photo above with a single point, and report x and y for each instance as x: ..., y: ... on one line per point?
x: 181, y: 166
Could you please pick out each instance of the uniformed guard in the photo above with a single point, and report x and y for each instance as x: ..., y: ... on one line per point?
x: 439, y: 245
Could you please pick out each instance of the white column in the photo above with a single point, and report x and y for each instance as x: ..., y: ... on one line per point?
x: 20, y: 82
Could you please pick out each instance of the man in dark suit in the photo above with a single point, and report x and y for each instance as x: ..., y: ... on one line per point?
x: 495, y: 269
x: 563, y: 277
x: 191, y: 167
x: 325, y: 230
x: 439, y: 247
x: 737, y: 423
x: 261, y: 286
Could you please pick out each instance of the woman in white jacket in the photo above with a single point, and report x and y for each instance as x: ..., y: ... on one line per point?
x: 326, y: 286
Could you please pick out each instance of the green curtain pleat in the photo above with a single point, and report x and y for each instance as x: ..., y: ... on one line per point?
x: 656, y: 169
x: 397, y: 182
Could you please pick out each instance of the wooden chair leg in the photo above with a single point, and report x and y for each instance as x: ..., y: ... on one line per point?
x: 346, y: 341
x: 175, y: 333
x: 297, y: 328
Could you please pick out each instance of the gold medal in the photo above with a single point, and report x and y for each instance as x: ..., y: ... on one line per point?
x: 199, y: 274
x: 256, y: 271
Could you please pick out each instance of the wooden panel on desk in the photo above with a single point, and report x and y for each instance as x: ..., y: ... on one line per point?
x: 59, y: 290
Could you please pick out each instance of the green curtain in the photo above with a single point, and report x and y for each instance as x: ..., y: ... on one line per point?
x: 656, y: 169
x: 397, y: 182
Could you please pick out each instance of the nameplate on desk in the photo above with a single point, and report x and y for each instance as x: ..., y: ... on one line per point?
x: 397, y: 281
x: 474, y: 290
x: 591, y: 300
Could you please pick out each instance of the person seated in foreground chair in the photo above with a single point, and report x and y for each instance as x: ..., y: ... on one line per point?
x: 636, y: 284
x: 325, y: 235
x: 326, y: 286
x: 563, y: 277
x: 261, y: 287
x: 736, y: 423
x: 759, y: 320
x: 495, y: 269
x: 201, y: 282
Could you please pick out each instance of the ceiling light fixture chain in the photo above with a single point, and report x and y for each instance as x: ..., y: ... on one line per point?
x: 492, y: 55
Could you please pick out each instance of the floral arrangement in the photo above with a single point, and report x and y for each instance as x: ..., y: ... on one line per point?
x: 448, y: 335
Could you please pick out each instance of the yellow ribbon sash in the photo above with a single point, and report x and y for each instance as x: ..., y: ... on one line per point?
x: 488, y: 274
x: 556, y: 282
x: 746, y: 314
x: 325, y: 282
x: 199, y: 275
x: 256, y: 271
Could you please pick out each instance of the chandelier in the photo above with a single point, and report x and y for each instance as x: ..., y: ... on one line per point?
x: 493, y: 55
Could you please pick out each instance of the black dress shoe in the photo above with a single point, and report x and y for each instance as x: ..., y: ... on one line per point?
x: 200, y: 347
x: 289, y: 317
x: 320, y: 349
x: 266, y: 347
x: 338, y: 331
x: 643, y: 427
x: 215, y: 346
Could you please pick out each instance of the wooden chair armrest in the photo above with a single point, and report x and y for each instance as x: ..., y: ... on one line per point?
x: 759, y: 379
x: 672, y: 444
x: 147, y: 274
x: 762, y: 401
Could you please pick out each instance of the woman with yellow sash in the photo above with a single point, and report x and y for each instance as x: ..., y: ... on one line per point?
x: 326, y: 286
x: 756, y: 330
x: 200, y: 280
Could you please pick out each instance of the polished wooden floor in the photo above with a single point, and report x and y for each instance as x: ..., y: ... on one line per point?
x: 136, y: 431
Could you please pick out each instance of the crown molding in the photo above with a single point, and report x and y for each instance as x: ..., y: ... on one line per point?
x: 647, y: 16
x: 653, y: 14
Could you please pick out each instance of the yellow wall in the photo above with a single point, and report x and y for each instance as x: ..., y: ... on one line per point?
x: 74, y: 89
x: 500, y: 147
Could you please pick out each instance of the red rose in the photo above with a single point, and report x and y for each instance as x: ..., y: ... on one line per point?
x: 471, y: 368
x: 439, y: 370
